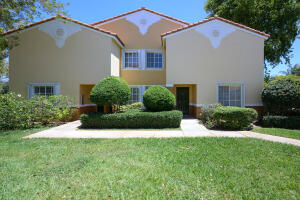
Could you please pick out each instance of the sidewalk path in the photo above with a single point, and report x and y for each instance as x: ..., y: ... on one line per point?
x: 189, y: 128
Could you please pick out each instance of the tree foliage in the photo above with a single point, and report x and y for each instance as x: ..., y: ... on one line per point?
x: 296, y: 70
x: 279, y: 18
x: 18, y: 13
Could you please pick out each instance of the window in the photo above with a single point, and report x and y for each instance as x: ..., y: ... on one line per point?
x: 140, y: 59
x: 154, y: 60
x: 131, y: 60
x: 46, y: 89
x: 230, y: 94
x: 137, y: 92
x: 135, y: 95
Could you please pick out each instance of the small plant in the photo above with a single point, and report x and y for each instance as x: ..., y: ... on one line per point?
x: 158, y: 98
x: 111, y: 91
x: 134, y: 106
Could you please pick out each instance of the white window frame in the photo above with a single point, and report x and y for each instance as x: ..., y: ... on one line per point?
x: 154, y: 51
x: 142, y: 58
x: 243, y: 89
x: 56, y: 88
x: 142, y: 89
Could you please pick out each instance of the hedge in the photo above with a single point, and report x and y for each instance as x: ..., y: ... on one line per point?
x: 234, y: 118
x: 281, y: 96
x: 292, y: 122
x: 132, y: 119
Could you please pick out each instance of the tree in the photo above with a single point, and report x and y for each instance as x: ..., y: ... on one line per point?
x: 279, y: 18
x: 17, y: 13
x: 296, y: 70
x: 111, y: 91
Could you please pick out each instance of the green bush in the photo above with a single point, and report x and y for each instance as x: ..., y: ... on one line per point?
x: 136, y: 106
x: 110, y: 91
x: 281, y: 96
x: 234, y: 118
x: 158, y: 98
x: 207, y: 112
x: 14, y: 112
x: 132, y: 119
x: 19, y: 113
x: 292, y: 122
x: 52, y: 109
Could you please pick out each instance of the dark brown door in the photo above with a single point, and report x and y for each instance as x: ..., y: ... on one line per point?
x: 182, y: 99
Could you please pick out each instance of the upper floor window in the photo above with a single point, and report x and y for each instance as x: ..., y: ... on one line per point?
x: 154, y: 60
x: 132, y: 59
x: 142, y: 59
x: 231, y: 94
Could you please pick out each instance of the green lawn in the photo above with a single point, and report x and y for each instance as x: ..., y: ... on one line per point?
x: 179, y: 168
x: 279, y: 132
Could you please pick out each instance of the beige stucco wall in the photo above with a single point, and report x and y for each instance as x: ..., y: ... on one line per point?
x: 191, y: 59
x: 85, y: 58
x: 133, y: 39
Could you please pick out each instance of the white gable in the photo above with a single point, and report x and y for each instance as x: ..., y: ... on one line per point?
x: 59, y: 30
x: 143, y: 20
x: 215, y: 31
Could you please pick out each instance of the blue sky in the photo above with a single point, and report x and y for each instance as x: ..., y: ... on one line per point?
x: 90, y: 11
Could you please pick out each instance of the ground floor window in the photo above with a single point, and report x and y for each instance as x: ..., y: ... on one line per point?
x: 137, y: 92
x: 46, y: 89
x: 231, y: 94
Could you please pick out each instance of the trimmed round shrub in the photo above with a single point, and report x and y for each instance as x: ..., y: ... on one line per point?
x: 281, y: 95
x: 158, y: 98
x: 111, y: 90
x: 234, y: 118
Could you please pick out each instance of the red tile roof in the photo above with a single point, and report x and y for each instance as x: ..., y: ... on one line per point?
x: 142, y: 8
x: 219, y: 18
x: 69, y: 19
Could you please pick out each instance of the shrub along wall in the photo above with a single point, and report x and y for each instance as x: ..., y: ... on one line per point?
x: 292, y: 122
x: 132, y: 119
x: 234, y: 118
x: 19, y: 113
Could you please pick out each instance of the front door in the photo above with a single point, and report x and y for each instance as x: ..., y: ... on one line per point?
x: 182, y: 99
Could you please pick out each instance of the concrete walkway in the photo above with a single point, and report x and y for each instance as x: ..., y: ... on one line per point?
x: 189, y: 128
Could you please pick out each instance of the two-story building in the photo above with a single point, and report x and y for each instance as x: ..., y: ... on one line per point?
x: 214, y: 60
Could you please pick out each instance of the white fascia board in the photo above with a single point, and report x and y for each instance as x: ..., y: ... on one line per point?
x: 87, y: 28
x: 112, y: 20
x: 227, y: 24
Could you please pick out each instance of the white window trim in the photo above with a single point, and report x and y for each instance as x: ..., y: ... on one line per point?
x: 142, y: 59
x: 131, y: 51
x: 243, y: 91
x: 31, y: 87
x: 142, y: 89
x: 154, y: 51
